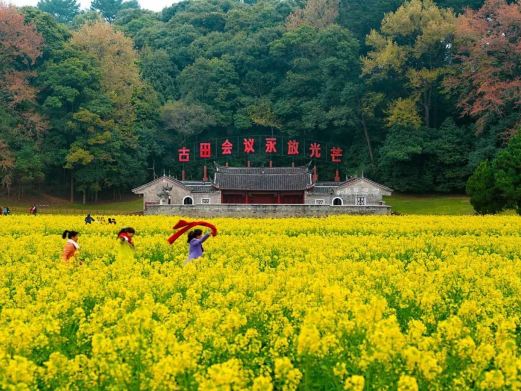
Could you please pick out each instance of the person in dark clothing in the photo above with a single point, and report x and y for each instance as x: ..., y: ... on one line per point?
x: 89, y: 219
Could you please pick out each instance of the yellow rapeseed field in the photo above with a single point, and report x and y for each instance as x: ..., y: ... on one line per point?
x: 356, y: 303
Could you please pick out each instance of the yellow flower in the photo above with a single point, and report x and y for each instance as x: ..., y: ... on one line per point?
x: 340, y: 370
x: 273, y: 305
x: 407, y: 383
x: 309, y: 340
x: 494, y: 380
x: 262, y: 383
x: 354, y: 383
x: 286, y: 374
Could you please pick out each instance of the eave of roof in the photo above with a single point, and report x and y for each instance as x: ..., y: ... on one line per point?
x: 138, y: 189
x: 374, y: 184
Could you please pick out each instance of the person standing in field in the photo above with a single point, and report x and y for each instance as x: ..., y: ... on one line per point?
x: 195, y: 244
x: 33, y: 210
x: 125, y: 238
x: 89, y: 219
x: 71, y: 246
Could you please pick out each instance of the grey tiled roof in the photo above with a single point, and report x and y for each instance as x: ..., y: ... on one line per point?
x: 201, y: 189
x: 323, y: 189
x: 199, y: 186
x: 263, y: 178
x: 328, y: 187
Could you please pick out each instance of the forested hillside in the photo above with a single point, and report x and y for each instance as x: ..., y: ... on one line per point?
x: 93, y: 102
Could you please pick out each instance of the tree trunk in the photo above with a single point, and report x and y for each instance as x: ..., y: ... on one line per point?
x: 72, y: 186
x: 366, y: 131
x: 367, y: 139
x: 427, y: 97
x: 427, y: 118
x: 96, y: 197
x: 84, y: 201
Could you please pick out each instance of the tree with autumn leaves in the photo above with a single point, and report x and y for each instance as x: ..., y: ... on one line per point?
x: 487, y: 77
x: 21, y: 126
x: 412, y: 51
x: 487, y: 83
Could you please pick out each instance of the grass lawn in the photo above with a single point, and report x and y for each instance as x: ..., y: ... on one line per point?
x: 400, y: 203
x: 430, y: 204
x: 51, y: 205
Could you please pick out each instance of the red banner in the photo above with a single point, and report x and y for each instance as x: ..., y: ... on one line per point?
x: 270, y: 145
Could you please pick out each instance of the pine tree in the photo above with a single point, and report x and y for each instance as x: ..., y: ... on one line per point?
x: 63, y: 10
x: 110, y: 8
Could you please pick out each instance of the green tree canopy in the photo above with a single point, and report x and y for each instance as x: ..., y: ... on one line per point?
x: 110, y: 8
x: 63, y: 10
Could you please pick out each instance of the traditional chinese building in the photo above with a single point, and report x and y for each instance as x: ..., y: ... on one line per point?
x: 272, y: 186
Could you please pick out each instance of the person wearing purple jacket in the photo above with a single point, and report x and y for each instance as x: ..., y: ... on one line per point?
x: 195, y: 244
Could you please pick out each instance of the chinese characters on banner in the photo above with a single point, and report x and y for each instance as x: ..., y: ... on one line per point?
x: 268, y: 145
x: 249, y: 145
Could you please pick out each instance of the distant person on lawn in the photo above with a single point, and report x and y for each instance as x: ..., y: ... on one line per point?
x: 89, y: 219
x: 71, y: 246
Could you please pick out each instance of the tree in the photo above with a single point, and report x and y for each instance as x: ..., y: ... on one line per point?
x: 20, y: 125
x: 487, y: 77
x: 361, y: 16
x: 20, y: 46
x: 67, y: 82
x: 91, y: 154
x: 460, y: 5
x: 158, y: 70
x: 262, y: 113
x: 402, y: 112
x: 496, y: 186
x: 118, y: 65
x: 507, y: 173
x: 213, y: 84
x: 316, y: 13
x: 110, y: 8
x: 484, y: 195
x: 320, y: 72
x: 86, y: 17
x: 63, y: 10
x: 412, y: 48
x: 7, y: 163
x: 402, y: 158
x: 185, y: 118
x: 131, y: 21
x: 447, y: 150
x: 54, y: 34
